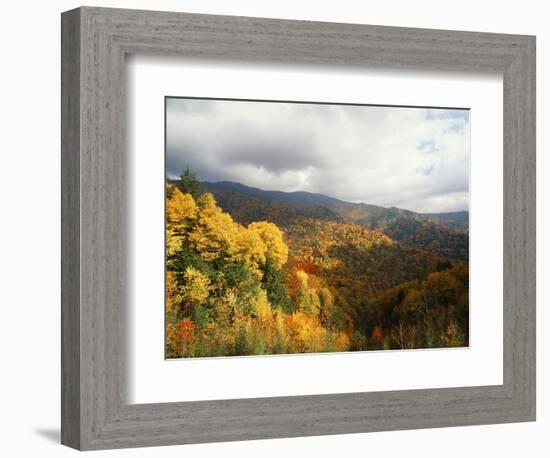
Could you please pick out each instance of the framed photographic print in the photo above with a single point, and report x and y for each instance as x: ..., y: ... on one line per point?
x: 298, y: 262
x: 280, y: 228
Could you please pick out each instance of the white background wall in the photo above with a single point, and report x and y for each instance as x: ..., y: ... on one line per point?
x: 30, y: 245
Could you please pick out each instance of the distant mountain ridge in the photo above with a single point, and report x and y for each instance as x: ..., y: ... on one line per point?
x: 297, y: 198
x: 446, y: 234
x: 305, y: 198
x: 460, y: 218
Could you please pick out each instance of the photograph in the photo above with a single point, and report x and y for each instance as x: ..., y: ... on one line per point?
x: 296, y: 227
x: 266, y: 229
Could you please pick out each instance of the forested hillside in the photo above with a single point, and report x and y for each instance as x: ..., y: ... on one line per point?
x: 444, y: 234
x: 260, y: 272
x: 460, y: 220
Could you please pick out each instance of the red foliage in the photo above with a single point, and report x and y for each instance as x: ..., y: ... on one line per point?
x: 185, y: 332
x: 307, y: 267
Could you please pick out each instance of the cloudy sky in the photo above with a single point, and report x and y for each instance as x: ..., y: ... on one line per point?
x: 411, y: 158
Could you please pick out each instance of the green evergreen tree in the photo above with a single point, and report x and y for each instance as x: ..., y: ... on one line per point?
x: 190, y: 185
x: 275, y: 287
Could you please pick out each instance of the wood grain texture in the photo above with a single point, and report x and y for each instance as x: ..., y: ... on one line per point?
x: 70, y: 229
x: 95, y: 411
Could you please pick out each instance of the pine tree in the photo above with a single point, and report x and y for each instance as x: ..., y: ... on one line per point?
x: 190, y: 185
x: 275, y: 288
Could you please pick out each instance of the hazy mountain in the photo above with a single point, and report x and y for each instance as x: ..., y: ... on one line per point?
x: 299, y: 198
x: 460, y: 219
x: 446, y: 234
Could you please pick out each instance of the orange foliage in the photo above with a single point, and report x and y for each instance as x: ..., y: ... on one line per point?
x: 336, y: 281
x: 184, y: 336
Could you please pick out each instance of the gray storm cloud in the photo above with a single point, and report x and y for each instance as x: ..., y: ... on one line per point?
x: 404, y: 157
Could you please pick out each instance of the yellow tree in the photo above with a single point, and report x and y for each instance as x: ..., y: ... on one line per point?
x: 306, y: 333
x: 180, y: 208
x: 263, y: 308
x: 196, y: 288
x: 248, y: 247
x: 308, y: 299
x: 272, y: 237
x: 181, y: 212
x: 174, y: 297
x: 213, y: 230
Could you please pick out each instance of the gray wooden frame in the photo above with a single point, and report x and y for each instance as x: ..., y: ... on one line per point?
x: 95, y: 413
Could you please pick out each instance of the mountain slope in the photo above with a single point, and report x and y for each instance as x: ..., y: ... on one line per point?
x: 256, y: 272
x: 298, y: 198
x: 432, y: 232
x: 460, y: 219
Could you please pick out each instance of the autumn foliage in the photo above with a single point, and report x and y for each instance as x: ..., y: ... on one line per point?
x: 303, y: 285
